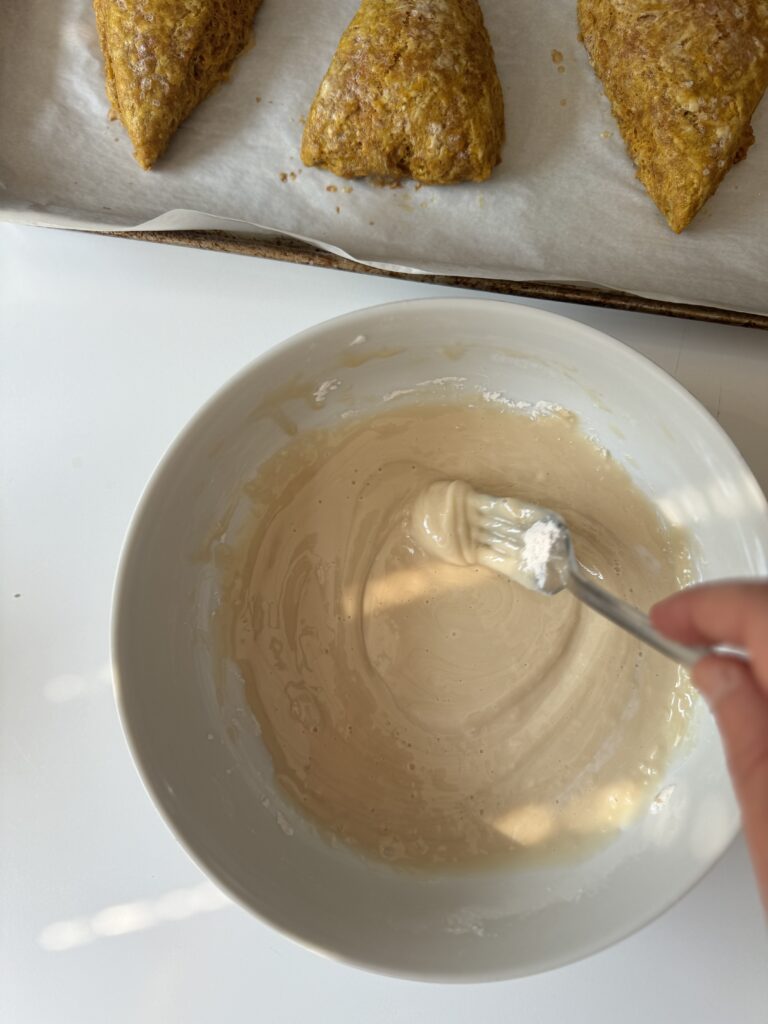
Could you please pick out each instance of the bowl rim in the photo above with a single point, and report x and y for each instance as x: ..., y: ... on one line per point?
x: 355, y: 320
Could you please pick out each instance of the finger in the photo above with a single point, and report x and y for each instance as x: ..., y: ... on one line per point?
x: 731, y: 613
x: 741, y: 709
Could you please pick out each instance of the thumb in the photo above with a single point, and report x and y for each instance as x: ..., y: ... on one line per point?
x: 740, y: 707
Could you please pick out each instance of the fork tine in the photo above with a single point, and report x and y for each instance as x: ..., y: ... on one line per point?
x: 502, y: 528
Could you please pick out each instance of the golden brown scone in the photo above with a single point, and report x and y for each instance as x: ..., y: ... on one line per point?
x: 162, y: 57
x: 412, y: 91
x: 684, y: 78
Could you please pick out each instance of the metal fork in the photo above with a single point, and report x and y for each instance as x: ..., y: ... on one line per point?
x: 564, y: 572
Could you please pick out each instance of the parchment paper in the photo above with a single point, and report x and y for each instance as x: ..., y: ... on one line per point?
x: 564, y: 204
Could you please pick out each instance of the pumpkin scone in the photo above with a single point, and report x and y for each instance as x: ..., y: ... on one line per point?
x: 683, y: 78
x: 163, y: 57
x: 412, y: 91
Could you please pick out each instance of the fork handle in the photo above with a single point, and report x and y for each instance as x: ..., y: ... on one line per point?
x: 638, y: 624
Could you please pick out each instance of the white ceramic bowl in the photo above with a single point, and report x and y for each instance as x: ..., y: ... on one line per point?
x: 201, y: 756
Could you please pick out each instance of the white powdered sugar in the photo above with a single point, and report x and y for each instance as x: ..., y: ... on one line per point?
x: 531, y: 409
x: 324, y: 389
x: 538, y: 543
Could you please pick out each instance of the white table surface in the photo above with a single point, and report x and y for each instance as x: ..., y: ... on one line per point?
x: 106, y: 349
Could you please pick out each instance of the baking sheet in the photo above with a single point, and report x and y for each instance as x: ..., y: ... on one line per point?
x: 563, y: 206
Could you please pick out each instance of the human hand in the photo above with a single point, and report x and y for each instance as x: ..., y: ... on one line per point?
x: 737, y: 692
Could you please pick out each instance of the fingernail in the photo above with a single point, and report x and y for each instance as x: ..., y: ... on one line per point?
x: 717, y: 679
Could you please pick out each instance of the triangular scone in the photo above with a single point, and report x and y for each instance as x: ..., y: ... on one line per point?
x: 412, y: 91
x: 684, y: 78
x: 162, y: 57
